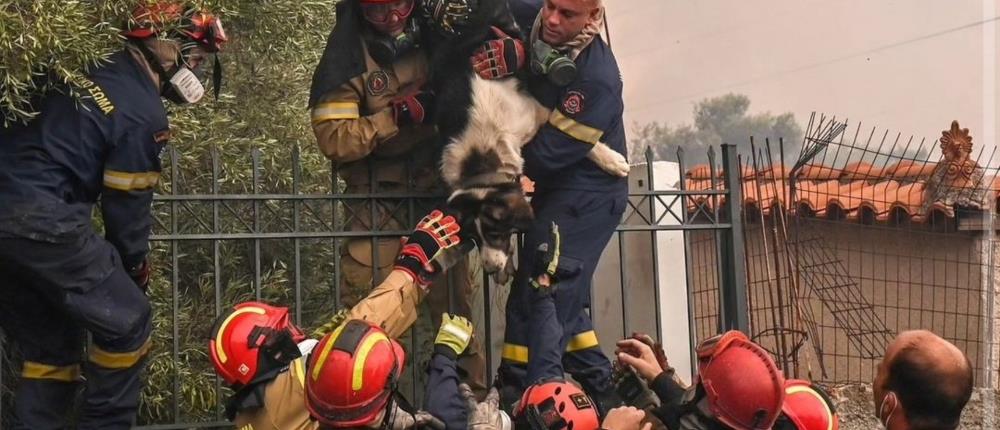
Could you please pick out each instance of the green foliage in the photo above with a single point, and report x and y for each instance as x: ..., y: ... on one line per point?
x: 44, y: 42
x: 274, y: 46
x: 724, y: 119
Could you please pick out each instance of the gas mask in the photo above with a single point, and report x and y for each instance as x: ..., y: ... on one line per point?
x: 554, y: 65
x: 184, y: 84
x: 387, y: 49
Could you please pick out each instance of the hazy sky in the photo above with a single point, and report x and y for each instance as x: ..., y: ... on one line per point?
x: 910, y: 66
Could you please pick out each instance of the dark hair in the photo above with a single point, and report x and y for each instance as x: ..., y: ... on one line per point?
x: 932, y: 397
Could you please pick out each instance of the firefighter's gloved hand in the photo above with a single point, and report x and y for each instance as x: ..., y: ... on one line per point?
x: 454, y: 335
x: 449, y: 17
x: 402, y: 420
x: 498, y: 58
x: 140, y: 275
x: 434, y: 233
x: 640, y: 356
x: 413, y: 109
x: 486, y: 415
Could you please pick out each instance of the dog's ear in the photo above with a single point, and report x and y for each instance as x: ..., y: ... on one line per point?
x: 518, y: 209
x: 466, y: 202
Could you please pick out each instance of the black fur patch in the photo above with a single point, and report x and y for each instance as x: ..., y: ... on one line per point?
x: 478, y: 163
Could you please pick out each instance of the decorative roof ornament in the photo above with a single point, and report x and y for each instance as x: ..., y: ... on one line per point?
x: 957, y: 180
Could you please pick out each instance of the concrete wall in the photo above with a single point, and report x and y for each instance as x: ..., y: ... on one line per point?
x: 644, y: 280
x: 901, y: 278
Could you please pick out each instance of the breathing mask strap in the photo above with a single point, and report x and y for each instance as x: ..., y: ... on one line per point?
x: 154, y: 63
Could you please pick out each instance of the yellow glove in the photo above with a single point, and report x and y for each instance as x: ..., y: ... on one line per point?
x: 454, y: 335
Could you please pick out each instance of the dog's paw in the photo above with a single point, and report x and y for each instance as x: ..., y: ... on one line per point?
x: 609, y: 160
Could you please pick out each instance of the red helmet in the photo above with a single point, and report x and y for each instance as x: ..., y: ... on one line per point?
x: 807, y: 407
x: 352, y: 374
x: 155, y: 15
x: 556, y: 405
x: 239, y: 337
x: 743, y: 388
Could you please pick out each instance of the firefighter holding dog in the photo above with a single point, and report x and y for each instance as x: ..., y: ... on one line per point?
x: 61, y: 279
x: 371, y: 114
x: 574, y: 73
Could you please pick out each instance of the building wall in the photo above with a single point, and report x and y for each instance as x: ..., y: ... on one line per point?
x: 857, y: 285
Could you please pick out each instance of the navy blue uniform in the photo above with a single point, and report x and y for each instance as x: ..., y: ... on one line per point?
x: 587, y: 204
x: 442, y: 398
x: 58, y: 277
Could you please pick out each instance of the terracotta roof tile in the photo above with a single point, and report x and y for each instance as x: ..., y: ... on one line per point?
x: 861, y: 171
x: 819, y: 173
x: 700, y: 171
x: 861, y: 191
x: 908, y: 169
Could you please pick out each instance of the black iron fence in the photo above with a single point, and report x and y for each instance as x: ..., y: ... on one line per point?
x: 263, y: 227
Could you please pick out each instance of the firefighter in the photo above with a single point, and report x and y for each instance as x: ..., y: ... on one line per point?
x: 261, y: 355
x: 807, y: 407
x: 258, y: 352
x: 60, y: 278
x: 550, y: 403
x: 737, y: 387
x: 353, y: 374
x: 575, y: 75
x: 372, y: 116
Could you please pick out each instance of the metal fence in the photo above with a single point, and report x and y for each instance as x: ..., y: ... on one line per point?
x: 230, y: 228
x: 860, y: 238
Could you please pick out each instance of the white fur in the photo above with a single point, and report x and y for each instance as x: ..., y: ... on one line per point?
x: 494, y: 259
x: 501, y: 118
x: 609, y: 160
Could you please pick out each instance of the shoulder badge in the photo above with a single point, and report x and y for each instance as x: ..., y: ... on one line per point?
x: 573, y: 102
x: 377, y: 82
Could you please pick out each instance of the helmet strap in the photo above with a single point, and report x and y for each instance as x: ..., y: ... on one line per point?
x: 543, y: 416
x: 154, y: 62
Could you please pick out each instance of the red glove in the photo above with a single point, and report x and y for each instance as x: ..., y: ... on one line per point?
x: 434, y: 233
x: 413, y: 109
x: 498, y: 58
x: 140, y: 275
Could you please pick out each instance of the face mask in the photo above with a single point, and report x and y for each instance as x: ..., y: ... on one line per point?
x: 184, y: 85
x: 556, y: 66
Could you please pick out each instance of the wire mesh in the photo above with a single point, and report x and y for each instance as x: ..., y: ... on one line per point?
x: 865, y: 235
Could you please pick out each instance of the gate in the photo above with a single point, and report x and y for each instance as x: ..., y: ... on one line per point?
x: 271, y: 227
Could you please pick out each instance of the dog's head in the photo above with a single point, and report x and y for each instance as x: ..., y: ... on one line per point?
x: 492, y: 214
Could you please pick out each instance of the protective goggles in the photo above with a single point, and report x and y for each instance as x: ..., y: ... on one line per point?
x: 381, y: 13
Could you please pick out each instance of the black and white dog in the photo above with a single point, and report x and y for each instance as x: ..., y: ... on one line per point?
x: 485, y: 123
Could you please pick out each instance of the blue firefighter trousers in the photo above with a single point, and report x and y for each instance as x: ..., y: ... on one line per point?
x: 586, y: 222
x: 50, y: 295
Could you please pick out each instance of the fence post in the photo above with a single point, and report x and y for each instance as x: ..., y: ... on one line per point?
x: 734, y: 314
